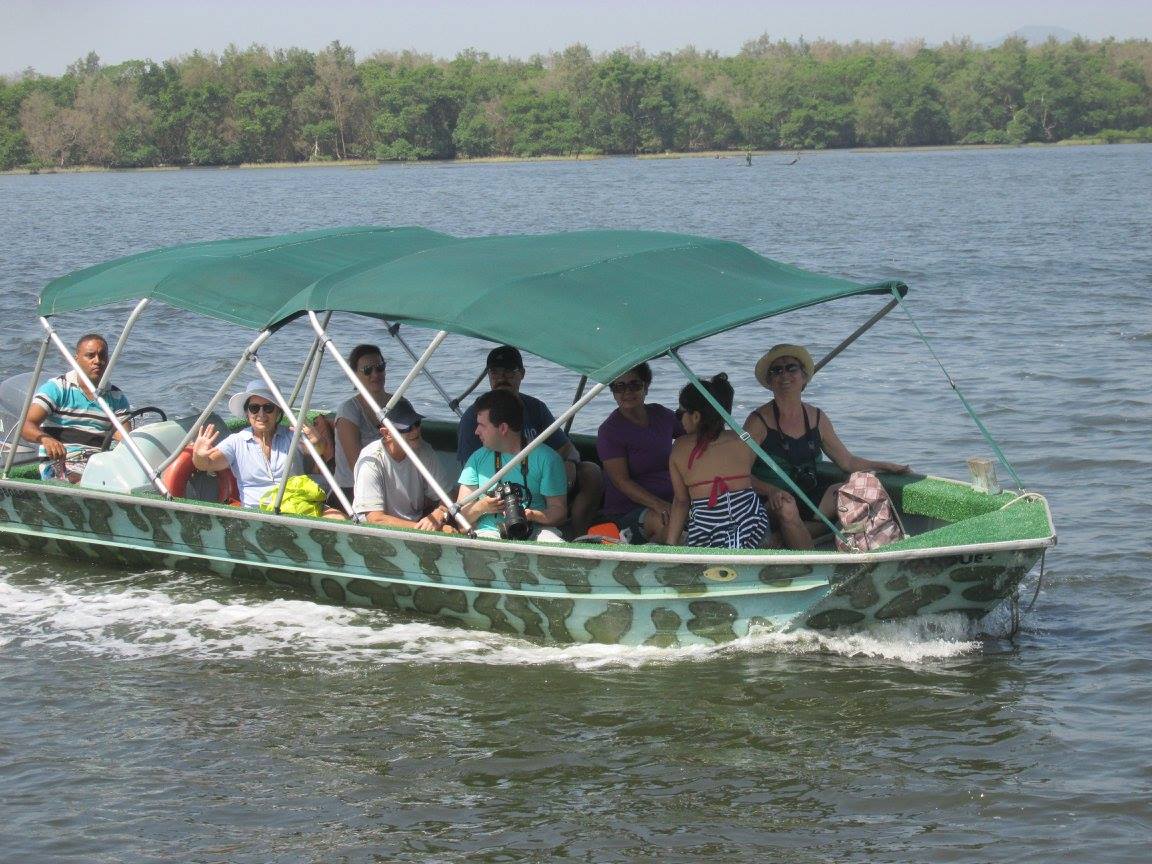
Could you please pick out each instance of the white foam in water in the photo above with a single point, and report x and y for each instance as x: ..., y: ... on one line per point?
x: 141, y: 623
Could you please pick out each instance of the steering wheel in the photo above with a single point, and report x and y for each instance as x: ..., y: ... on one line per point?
x: 132, y: 415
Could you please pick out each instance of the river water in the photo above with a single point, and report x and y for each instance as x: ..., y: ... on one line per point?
x: 150, y: 716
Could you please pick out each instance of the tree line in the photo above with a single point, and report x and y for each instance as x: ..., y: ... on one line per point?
x: 257, y: 105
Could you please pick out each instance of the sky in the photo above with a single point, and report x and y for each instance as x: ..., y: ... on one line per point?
x: 47, y: 35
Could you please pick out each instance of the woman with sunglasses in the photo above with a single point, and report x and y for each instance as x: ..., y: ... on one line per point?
x: 711, y: 476
x: 258, y: 454
x: 634, y: 444
x: 356, y: 425
x: 794, y: 434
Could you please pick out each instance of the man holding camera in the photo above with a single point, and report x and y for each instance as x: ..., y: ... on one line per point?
x: 542, y: 486
x: 585, y: 484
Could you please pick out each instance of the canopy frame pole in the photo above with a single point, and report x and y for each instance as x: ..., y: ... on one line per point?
x: 963, y: 401
x: 540, y: 440
x: 418, y: 367
x: 307, y: 363
x: 294, y: 419
x: 576, y: 398
x: 454, y: 404
x: 248, y: 355
x: 14, y: 444
x: 125, y: 435
x: 382, y: 417
x: 394, y: 332
x: 106, y: 379
x: 312, y: 368
x: 856, y: 334
x: 747, y: 439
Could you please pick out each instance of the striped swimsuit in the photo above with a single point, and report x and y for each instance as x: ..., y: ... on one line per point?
x: 725, y: 519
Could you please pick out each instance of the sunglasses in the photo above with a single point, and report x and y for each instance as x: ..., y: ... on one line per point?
x: 633, y: 386
x: 368, y: 370
x: 790, y: 368
x: 263, y: 408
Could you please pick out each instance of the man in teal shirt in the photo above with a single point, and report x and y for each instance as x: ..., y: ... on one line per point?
x: 499, y: 425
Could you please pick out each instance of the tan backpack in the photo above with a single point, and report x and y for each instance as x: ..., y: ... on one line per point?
x: 868, y: 518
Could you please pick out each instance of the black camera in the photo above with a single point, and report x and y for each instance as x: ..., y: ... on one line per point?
x: 806, y: 478
x: 511, y: 497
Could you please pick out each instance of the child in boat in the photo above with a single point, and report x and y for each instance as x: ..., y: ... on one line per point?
x: 711, y: 476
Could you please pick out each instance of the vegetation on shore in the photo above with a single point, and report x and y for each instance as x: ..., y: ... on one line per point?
x: 290, y: 106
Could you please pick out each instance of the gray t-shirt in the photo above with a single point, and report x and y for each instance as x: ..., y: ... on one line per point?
x: 397, y: 487
x: 354, y: 413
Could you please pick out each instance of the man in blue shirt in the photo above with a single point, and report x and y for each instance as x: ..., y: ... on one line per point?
x: 499, y: 426
x: 65, y: 419
x: 585, y: 483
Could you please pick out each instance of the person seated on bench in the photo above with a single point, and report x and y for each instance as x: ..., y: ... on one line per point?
x: 540, y: 477
x: 585, y: 484
x: 257, y: 455
x: 712, y: 477
x: 794, y: 434
x: 389, y: 489
x: 65, y: 419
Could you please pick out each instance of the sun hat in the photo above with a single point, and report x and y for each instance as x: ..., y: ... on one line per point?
x: 255, y: 388
x: 504, y: 357
x: 403, y: 415
x: 783, y: 350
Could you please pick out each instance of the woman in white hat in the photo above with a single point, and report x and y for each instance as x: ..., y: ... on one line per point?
x: 258, y: 454
x: 794, y: 434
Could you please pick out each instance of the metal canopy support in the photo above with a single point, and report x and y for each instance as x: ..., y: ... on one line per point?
x: 15, y: 443
x: 294, y: 420
x: 963, y: 401
x: 579, y: 392
x: 454, y: 404
x: 394, y: 332
x: 307, y: 363
x: 125, y: 436
x: 312, y: 369
x: 747, y: 439
x: 106, y: 379
x: 856, y: 334
x: 248, y: 355
x: 381, y: 415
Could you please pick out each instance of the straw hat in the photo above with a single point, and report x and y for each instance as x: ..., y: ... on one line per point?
x: 239, y: 400
x: 778, y: 351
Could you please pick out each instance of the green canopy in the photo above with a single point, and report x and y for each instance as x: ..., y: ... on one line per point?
x: 596, y: 302
x: 242, y: 281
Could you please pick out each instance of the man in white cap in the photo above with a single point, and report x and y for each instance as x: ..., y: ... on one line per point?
x: 389, y: 490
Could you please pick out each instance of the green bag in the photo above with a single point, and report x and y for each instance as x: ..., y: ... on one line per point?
x: 303, y: 496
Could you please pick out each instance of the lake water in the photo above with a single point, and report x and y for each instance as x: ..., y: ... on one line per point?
x: 154, y: 717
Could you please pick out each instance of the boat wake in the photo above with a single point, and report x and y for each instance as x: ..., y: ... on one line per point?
x: 128, y: 622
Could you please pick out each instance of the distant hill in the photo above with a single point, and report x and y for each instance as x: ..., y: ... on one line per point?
x: 1037, y: 35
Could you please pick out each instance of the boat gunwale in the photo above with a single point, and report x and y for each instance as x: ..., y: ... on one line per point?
x: 599, y: 552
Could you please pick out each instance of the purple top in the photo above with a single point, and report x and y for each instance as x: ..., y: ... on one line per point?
x: 646, y: 450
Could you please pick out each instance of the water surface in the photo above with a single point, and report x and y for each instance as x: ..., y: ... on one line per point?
x: 152, y: 716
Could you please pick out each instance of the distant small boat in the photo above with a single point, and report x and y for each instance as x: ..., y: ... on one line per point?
x: 595, y: 302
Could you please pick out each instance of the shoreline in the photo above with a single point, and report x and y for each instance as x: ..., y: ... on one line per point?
x: 580, y: 157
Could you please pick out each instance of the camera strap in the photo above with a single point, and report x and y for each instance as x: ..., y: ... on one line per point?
x: 498, y: 461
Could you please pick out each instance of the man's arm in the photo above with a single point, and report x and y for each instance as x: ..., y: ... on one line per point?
x: 32, y: 432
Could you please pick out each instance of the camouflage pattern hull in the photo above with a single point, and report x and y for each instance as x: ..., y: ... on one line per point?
x: 555, y: 593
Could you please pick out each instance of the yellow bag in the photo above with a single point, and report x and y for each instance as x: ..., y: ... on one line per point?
x: 303, y: 496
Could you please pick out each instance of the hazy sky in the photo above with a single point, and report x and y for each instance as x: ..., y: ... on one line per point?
x: 47, y: 35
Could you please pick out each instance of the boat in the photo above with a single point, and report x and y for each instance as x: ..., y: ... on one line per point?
x: 596, y: 303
